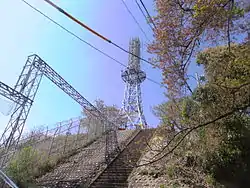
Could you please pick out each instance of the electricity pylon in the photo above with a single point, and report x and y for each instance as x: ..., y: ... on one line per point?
x: 24, y: 93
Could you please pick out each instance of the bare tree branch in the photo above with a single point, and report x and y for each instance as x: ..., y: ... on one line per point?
x: 228, y: 27
x: 148, y: 145
x: 189, y: 130
x: 236, y: 87
x: 184, y: 9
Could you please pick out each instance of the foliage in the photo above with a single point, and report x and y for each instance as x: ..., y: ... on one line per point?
x: 176, y: 113
x: 162, y: 186
x: 210, y: 121
x: 214, y: 120
x: 230, y: 161
x: 26, y: 166
x: 97, y: 124
x: 171, y: 171
x: 183, y: 25
x: 234, y: 68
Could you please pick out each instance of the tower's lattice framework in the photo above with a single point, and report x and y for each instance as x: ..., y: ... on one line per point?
x: 24, y: 93
x: 133, y: 76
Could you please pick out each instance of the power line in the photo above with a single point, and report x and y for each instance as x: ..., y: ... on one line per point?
x: 148, y: 13
x: 150, y: 18
x: 143, y: 14
x: 82, y: 40
x: 94, y: 32
x: 134, y: 19
x: 155, y: 82
x: 73, y: 34
x: 77, y: 21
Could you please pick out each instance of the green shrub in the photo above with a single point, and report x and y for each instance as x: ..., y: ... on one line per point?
x: 232, y: 160
x: 26, y: 166
x: 210, y: 180
x: 171, y: 171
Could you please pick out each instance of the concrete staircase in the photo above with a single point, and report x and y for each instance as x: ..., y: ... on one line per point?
x: 82, y: 167
x: 116, y: 174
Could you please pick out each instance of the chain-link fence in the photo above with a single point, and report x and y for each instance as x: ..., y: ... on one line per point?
x: 72, y: 150
x: 56, y: 143
x: 61, y: 139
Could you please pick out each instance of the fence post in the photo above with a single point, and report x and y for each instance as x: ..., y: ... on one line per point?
x: 47, y: 130
x: 67, y: 134
x: 52, y: 141
x: 78, y: 132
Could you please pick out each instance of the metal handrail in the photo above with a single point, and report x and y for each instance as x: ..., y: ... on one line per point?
x: 7, y: 180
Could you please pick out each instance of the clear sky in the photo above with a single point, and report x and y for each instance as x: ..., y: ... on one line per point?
x: 24, y: 32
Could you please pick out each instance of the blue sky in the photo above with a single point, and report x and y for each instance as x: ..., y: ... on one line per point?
x: 25, y: 32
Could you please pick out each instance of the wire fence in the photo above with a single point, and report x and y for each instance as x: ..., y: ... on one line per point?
x: 71, y: 147
x: 61, y: 139
x: 82, y: 167
x: 56, y: 143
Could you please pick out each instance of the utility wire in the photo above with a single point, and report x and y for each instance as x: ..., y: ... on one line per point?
x: 131, y: 14
x: 82, y: 40
x: 148, y: 13
x: 70, y: 32
x: 94, y: 32
x: 155, y: 82
x: 139, y: 6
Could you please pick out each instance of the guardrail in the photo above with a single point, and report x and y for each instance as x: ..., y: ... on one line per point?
x: 7, y: 180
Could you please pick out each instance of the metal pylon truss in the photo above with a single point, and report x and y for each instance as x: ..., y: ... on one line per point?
x: 133, y: 76
x: 27, y: 85
x: 24, y: 93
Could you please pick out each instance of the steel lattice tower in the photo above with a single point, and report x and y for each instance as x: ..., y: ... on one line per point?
x: 133, y: 76
x: 27, y: 85
x: 23, y: 95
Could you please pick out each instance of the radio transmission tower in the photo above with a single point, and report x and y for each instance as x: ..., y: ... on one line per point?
x: 133, y: 76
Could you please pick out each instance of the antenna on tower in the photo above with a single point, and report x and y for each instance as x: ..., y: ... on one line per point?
x: 133, y: 76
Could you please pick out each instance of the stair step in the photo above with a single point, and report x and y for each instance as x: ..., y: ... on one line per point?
x: 116, y: 174
x: 120, y: 170
x: 113, y: 178
x: 108, y: 180
x: 104, y: 181
x: 105, y: 176
x: 110, y: 184
x: 118, y: 167
x: 112, y: 174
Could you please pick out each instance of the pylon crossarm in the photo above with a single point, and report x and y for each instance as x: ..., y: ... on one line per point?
x: 13, y: 95
x: 24, y: 92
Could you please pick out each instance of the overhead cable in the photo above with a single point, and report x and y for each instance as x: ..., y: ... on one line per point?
x: 131, y: 14
x: 150, y: 18
x: 144, y: 15
x: 82, y: 40
x: 94, y: 32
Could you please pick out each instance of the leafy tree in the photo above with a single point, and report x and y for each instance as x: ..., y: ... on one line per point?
x: 215, y: 119
x: 177, y: 113
x: 210, y: 121
x: 230, y: 160
x: 184, y: 27
x: 97, y: 125
x: 33, y: 137
x: 26, y: 166
x: 228, y: 89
